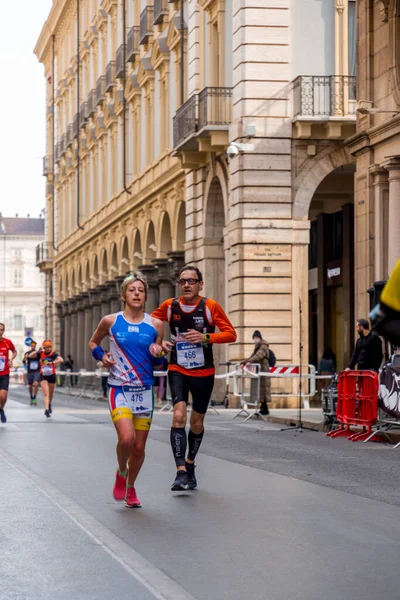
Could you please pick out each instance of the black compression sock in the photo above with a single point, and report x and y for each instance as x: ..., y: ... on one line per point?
x: 194, y: 443
x: 178, y: 445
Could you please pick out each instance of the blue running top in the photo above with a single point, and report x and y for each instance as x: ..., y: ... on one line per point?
x: 129, y: 348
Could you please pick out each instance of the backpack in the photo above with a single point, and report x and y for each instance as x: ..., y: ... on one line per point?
x: 271, y: 358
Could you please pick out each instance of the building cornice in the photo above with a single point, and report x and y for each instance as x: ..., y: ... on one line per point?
x: 50, y: 26
x: 373, y: 136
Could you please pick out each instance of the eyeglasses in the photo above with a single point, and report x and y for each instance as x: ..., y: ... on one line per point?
x: 190, y: 281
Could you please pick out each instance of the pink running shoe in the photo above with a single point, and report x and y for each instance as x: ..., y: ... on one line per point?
x: 119, y: 488
x: 131, y: 500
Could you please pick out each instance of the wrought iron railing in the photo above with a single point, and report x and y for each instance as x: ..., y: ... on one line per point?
x: 110, y: 75
x: 83, y: 113
x: 63, y: 143
x: 91, y: 103
x: 75, y: 126
x: 215, y: 107
x: 146, y: 24
x: 160, y: 9
x: 132, y: 46
x: 47, y: 165
x: 100, y: 90
x: 57, y: 151
x: 324, y: 95
x: 186, y: 120
x: 43, y: 252
x: 70, y: 136
x: 119, y: 62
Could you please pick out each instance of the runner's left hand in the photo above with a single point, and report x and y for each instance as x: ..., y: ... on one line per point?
x: 155, y: 350
x: 194, y: 337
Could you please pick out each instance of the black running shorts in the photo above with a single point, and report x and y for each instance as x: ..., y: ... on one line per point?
x: 200, y: 388
x: 4, y: 382
x: 48, y: 378
x: 33, y: 376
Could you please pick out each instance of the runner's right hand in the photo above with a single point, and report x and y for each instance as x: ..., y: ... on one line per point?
x: 107, y: 360
x: 167, y: 346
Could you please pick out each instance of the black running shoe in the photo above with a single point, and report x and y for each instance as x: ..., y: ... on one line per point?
x: 3, y: 417
x: 181, y: 482
x: 191, y: 477
x: 47, y: 413
x: 50, y: 409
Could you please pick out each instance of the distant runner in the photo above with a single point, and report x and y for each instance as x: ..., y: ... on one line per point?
x: 6, y: 347
x: 135, y: 343
x: 192, y: 321
x: 48, y: 360
x: 33, y: 372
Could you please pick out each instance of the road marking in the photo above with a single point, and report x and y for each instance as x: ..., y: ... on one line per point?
x: 153, y: 579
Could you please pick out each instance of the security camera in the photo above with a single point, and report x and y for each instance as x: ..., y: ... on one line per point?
x: 233, y: 150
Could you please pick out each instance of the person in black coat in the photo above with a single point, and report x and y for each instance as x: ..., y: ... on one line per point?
x: 368, y: 352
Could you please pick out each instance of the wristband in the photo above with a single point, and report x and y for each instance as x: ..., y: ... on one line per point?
x: 162, y: 353
x: 206, y: 338
x: 98, y: 353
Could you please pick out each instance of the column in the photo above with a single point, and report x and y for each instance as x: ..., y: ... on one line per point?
x: 381, y: 190
x: 177, y: 261
x: 80, y: 334
x: 153, y: 295
x: 348, y: 281
x: 166, y: 286
x: 393, y: 166
x: 114, y: 296
x: 67, y: 332
x: 73, y: 350
x: 87, y: 358
x: 95, y: 302
x: 61, y: 320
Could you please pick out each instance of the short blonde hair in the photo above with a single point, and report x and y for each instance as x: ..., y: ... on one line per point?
x: 135, y: 276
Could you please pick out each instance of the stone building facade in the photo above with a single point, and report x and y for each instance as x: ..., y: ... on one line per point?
x: 139, y: 176
x: 376, y: 148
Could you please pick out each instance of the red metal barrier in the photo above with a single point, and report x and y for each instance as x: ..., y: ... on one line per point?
x: 357, y: 404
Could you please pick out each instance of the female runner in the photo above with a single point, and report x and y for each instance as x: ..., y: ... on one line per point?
x: 135, y: 343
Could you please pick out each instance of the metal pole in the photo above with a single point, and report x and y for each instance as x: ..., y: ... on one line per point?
x: 53, y: 138
x: 182, y: 27
x: 78, y: 162
x: 123, y: 93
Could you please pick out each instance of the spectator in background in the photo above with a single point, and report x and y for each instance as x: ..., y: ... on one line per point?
x: 69, y: 367
x: 261, y: 355
x: 368, y: 352
x: 327, y: 364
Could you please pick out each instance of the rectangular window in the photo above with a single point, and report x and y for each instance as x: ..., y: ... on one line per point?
x: 352, y: 37
x: 18, y: 277
x: 17, y: 322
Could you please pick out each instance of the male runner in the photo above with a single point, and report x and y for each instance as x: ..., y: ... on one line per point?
x: 135, y: 339
x: 6, y: 346
x: 33, y: 373
x: 192, y: 319
x: 48, y: 361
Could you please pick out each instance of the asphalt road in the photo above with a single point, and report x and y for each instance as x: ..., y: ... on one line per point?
x: 277, y: 514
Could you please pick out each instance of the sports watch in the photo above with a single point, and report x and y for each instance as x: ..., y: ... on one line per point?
x: 207, y: 338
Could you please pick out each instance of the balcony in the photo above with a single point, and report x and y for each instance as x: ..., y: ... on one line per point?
x: 83, y: 114
x: 44, y: 256
x: 47, y: 165
x: 146, y: 24
x: 324, y: 106
x: 110, y: 76
x: 63, y: 143
x: 70, y: 136
x: 119, y: 62
x: 57, y: 152
x: 91, y: 103
x: 160, y: 10
x: 75, y: 126
x: 186, y: 121
x: 132, y: 47
x: 100, y: 90
x: 202, y: 124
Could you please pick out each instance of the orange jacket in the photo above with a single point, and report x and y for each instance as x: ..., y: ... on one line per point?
x: 215, y: 315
